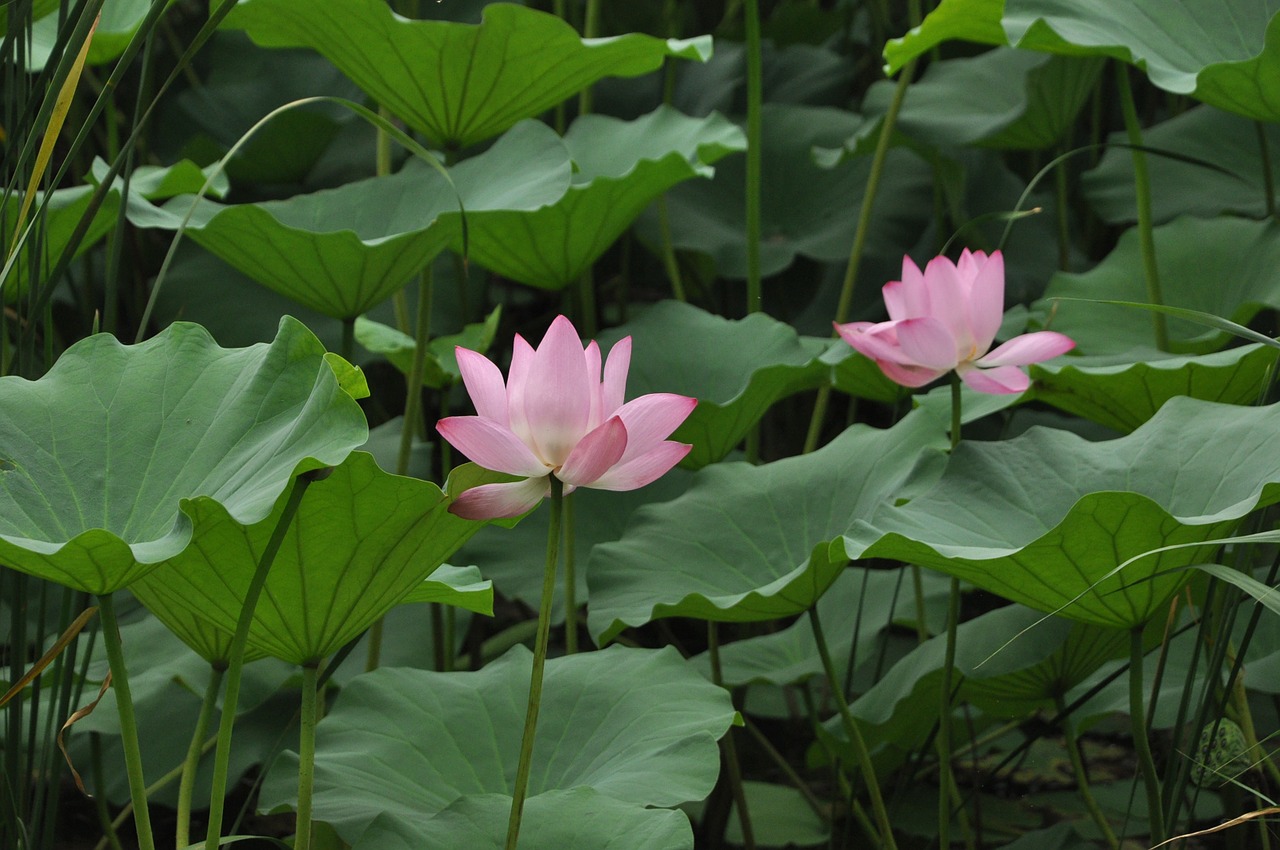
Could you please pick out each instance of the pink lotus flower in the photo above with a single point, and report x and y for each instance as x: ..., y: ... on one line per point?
x: 555, y: 416
x: 946, y: 318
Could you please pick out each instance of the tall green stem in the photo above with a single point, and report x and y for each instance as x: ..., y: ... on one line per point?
x: 1268, y: 180
x: 727, y: 746
x: 856, y: 740
x: 306, y: 757
x: 1142, y: 185
x: 946, y: 781
x: 128, y: 722
x: 539, y: 662
x: 1082, y: 776
x: 755, y: 156
x: 570, y: 583
x: 222, y: 758
x: 849, y: 285
x: 186, y: 787
x: 1141, y: 743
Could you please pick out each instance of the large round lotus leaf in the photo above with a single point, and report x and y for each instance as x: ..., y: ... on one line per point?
x: 1046, y: 518
x: 1122, y: 394
x: 580, y: 819
x: 457, y: 83
x: 105, y: 458
x: 362, y: 540
x: 1223, y: 52
x: 636, y: 725
x: 1223, y: 266
x: 749, y: 543
x: 737, y: 369
x: 1004, y: 98
x: 806, y: 209
x: 341, y: 251
x: 1178, y: 187
x: 621, y: 166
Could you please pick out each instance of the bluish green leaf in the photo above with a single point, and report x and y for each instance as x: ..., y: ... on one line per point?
x: 104, y: 460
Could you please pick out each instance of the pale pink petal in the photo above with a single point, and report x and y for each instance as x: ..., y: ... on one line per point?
x: 593, y: 382
x: 498, y: 501
x: 909, y: 376
x: 969, y: 264
x: 490, y: 445
x: 615, y: 376
x: 643, y: 469
x: 986, y: 298
x: 595, y: 453
x: 879, y: 341
x: 651, y: 418
x: 484, y: 384
x: 949, y: 301
x: 927, y: 342
x: 1002, y: 380
x: 907, y: 298
x: 557, y: 397
x: 517, y: 378
x: 1029, y: 348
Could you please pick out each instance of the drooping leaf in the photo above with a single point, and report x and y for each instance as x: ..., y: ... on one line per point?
x: 807, y: 210
x: 1179, y: 187
x: 105, y: 458
x: 458, y: 83
x: 1223, y: 52
x: 1236, y: 255
x: 637, y: 726
x: 1004, y: 98
x: 621, y: 166
x: 441, y: 364
x: 749, y: 543
x: 361, y: 542
x: 577, y: 819
x: 1046, y: 518
x: 461, y: 587
x: 341, y: 251
x: 736, y: 369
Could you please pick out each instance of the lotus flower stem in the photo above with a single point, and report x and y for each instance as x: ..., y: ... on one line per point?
x: 109, y: 835
x: 733, y: 767
x: 306, y: 757
x: 570, y: 583
x: 539, y: 663
x: 851, y: 729
x: 128, y: 722
x: 669, y: 261
x: 1142, y: 186
x: 1082, y: 775
x: 946, y: 781
x: 849, y: 285
x: 182, y: 832
x: 755, y: 156
x: 1264, y: 158
x: 222, y: 758
x: 1141, y: 744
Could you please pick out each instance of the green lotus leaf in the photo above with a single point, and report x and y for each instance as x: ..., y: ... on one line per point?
x: 1237, y: 255
x: 1004, y: 98
x: 441, y: 363
x: 749, y: 543
x: 860, y: 607
x: 1227, y: 141
x: 578, y: 819
x: 62, y: 214
x: 458, y: 83
x: 736, y: 369
x: 807, y: 209
x: 341, y: 251
x: 361, y: 542
x: 1123, y: 395
x: 780, y: 817
x: 638, y: 726
x: 119, y: 21
x: 621, y: 167
x: 461, y: 587
x: 39, y: 8
x: 105, y: 459
x: 155, y: 183
x: 1009, y: 662
x: 1046, y: 518
x: 1223, y: 52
